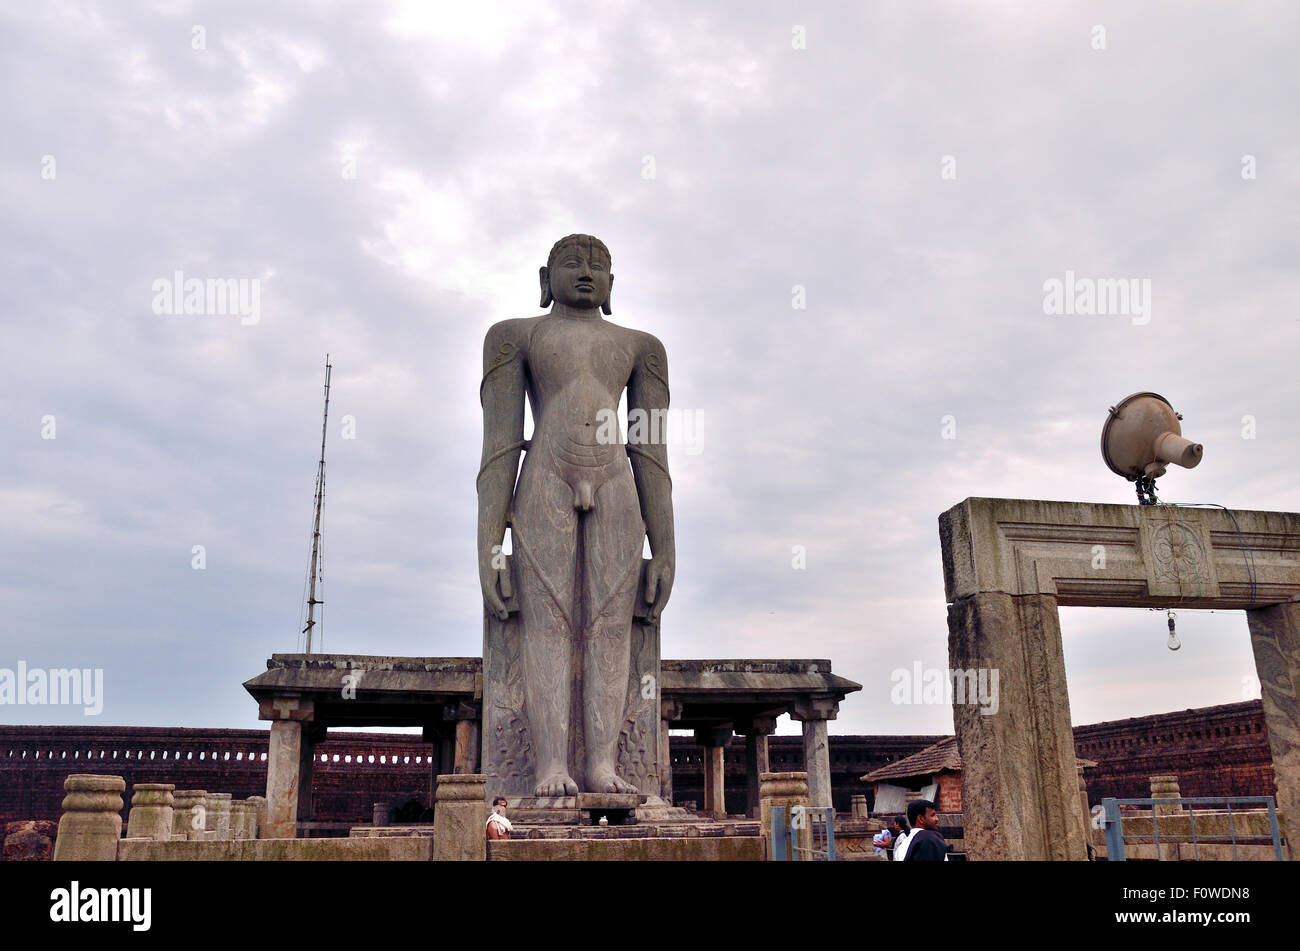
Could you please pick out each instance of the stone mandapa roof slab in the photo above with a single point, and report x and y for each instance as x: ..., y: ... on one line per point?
x: 321, y: 673
x: 403, y: 675
x: 713, y: 677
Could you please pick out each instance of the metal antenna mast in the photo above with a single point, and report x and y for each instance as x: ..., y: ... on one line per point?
x: 320, y: 501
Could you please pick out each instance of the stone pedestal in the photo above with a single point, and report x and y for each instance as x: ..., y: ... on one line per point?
x: 1275, y: 639
x: 858, y: 806
x: 1166, y: 788
x: 218, y: 821
x: 185, y: 821
x: 460, y: 818
x: 151, y: 811
x: 1020, y: 789
x: 239, y: 815
x: 257, y: 816
x: 91, y: 825
x: 779, y: 789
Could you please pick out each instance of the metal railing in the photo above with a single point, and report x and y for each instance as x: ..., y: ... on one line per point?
x: 1113, y: 823
x: 807, y: 835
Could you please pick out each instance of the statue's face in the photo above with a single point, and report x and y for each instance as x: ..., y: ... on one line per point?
x: 580, y: 276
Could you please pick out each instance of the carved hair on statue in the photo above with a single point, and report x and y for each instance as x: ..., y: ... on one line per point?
x: 592, y: 244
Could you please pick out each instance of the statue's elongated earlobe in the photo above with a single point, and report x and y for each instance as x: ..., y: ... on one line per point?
x: 544, y: 276
x: 605, y: 308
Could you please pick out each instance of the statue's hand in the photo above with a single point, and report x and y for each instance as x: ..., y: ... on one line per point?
x: 487, y: 576
x: 659, y: 582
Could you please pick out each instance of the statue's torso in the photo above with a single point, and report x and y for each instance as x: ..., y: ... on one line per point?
x: 578, y: 370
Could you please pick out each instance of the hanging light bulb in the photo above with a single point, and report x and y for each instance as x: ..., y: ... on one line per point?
x: 1174, y: 643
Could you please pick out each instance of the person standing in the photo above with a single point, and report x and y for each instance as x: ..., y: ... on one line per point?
x: 901, y: 838
x: 925, y: 844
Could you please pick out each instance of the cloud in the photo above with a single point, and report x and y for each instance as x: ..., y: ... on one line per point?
x: 729, y: 173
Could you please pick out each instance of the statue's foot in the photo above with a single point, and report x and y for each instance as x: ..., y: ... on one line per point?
x: 606, y: 780
x: 556, y: 784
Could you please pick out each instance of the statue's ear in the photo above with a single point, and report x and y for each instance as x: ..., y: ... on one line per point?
x: 605, y: 308
x: 544, y: 276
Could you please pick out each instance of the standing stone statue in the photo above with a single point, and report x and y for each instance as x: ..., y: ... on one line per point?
x: 571, y: 642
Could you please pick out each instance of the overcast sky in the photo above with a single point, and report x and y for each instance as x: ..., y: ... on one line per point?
x: 392, y: 176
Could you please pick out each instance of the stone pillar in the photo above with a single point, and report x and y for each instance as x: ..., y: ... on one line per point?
x: 312, y: 734
x: 1020, y: 790
x: 779, y: 789
x: 432, y: 735
x: 1275, y: 639
x: 665, y: 763
x: 151, y: 811
x: 858, y: 806
x: 465, y: 749
x: 284, y: 764
x: 379, y: 814
x: 91, y: 824
x: 466, y: 746
x: 218, y: 805
x: 714, y: 742
x: 447, y: 751
x: 184, y: 822
x: 460, y: 818
x: 669, y: 711
x: 816, y: 746
x: 756, y: 761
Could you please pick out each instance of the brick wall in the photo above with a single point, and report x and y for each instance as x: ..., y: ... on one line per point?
x: 851, y: 757
x: 1214, y: 751
x: 353, y: 770
x: 949, y: 795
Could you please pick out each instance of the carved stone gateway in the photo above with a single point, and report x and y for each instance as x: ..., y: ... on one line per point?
x: 1010, y: 563
x: 571, y: 632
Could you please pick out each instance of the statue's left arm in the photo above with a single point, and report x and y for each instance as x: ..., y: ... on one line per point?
x: 647, y: 390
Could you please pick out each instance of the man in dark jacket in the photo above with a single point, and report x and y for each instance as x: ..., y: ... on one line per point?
x: 926, y: 844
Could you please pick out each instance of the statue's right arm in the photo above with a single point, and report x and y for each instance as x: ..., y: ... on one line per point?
x: 502, y: 395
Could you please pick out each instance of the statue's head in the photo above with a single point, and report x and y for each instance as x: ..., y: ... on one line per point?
x: 577, y: 273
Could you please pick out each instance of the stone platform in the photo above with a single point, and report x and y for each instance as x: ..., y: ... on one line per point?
x: 587, y: 809
x: 690, y: 829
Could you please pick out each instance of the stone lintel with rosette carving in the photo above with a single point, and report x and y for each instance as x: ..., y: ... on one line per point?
x: 1092, y: 554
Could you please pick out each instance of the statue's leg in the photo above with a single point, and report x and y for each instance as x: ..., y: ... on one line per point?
x: 544, y: 536
x: 613, y: 537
